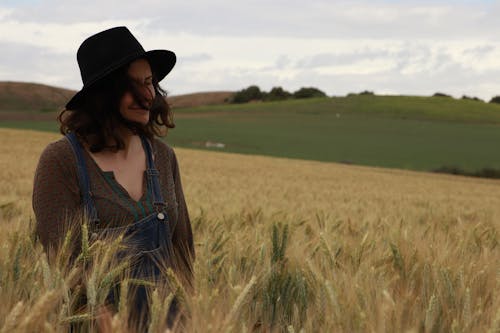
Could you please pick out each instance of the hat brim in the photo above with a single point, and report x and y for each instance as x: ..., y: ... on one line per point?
x: 161, y: 62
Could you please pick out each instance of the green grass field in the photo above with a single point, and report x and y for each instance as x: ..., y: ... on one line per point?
x: 44, y: 126
x: 419, y: 133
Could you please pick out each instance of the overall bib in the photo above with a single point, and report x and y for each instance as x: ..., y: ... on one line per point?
x: 148, y: 241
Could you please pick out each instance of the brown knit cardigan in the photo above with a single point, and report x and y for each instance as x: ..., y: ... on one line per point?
x: 57, y: 199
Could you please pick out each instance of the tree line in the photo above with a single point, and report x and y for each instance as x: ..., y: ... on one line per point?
x: 495, y: 99
x: 253, y: 93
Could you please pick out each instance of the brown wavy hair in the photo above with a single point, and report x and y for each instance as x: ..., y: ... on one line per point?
x: 98, y: 116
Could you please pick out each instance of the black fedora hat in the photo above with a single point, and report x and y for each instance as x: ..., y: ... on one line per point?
x: 102, y: 53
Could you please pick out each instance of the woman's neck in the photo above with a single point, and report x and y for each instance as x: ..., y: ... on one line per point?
x: 130, y: 142
x: 127, y: 136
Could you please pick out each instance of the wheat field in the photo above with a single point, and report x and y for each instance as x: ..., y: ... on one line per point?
x: 282, y: 246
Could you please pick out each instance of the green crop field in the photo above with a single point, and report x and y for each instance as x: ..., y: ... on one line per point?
x: 44, y: 126
x: 419, y: 133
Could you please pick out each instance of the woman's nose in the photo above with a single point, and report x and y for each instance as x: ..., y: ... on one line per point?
x: 148, y: 92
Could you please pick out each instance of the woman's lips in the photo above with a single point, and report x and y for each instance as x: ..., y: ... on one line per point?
x: 139, y: 109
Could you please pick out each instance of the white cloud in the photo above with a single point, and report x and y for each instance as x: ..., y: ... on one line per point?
x: 57, y: 37
x: 339, y: 46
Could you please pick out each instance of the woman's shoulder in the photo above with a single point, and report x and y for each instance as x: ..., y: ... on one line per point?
x: 57, y: 160
x: 58, y: 149
x: 161, y: 148
x: 164, y: 154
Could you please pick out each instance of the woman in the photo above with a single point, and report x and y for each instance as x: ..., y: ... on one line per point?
x: 110, y: 167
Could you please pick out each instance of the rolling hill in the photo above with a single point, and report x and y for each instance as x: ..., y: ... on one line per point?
x: 34, y: 97
x: 23, y: 96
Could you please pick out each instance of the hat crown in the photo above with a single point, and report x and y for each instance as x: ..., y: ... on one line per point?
x: 103, y: 53
x: 106, y: 51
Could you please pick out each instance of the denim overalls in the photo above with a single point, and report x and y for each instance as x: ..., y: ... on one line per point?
x: 148, y: 241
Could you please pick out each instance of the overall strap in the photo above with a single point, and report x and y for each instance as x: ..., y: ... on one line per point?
x: 153, y: 176
x: 83, y: 179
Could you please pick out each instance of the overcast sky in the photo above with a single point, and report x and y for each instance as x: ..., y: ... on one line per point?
x: 389, y: 47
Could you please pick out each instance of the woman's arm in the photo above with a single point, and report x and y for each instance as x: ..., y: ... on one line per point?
x: 183, y: 235
x: 56, y: 196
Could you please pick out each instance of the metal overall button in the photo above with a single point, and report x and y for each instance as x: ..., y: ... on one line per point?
x: 160, y: 216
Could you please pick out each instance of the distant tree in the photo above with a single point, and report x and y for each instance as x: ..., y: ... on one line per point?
x: 277, y: 94
x: 252, y: 93
x: 495, y: 99
x: 364, y: 92
x: 438, y: 94
x: 472, y: 98
x: 308, y: 92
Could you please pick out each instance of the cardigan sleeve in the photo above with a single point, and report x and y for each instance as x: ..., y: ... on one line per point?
x: 56, y: 196
x: 182, y: 236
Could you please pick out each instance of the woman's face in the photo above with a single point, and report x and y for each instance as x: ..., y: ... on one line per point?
x: 140, y: 73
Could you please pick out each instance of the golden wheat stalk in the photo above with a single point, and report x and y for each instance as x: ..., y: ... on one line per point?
x: 333, y: 299
x: 159, y: 309
x: 467, y: 308
x: 36, y: 315
x: 85, y: 242
x: 77, y: 318
x: 64, y: 252
x: 431, y: 313
x: 123, y: 303
x: 238, y: 304
x: 92, y: 291
x: 176, y: 287
x: 495, y: 325
x: 47, y: 275
x: 12, y: 318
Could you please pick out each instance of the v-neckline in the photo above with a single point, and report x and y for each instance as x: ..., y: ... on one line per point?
x: 120, y: 187
x: 123, y: 190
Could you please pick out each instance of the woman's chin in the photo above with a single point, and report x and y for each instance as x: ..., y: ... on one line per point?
x: 141, y: 120
x: 144, y: 121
